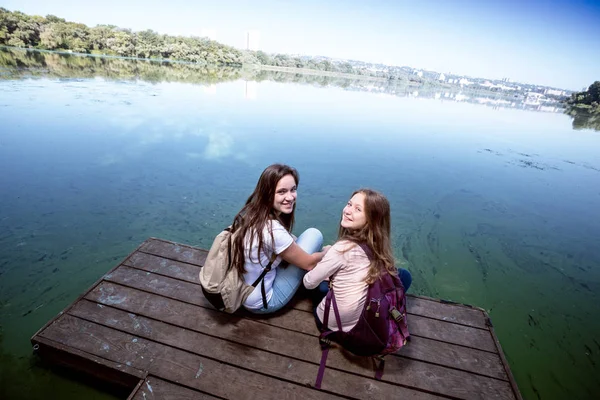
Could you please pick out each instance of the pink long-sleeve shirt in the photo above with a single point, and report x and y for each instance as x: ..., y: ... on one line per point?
x: 349, y: 265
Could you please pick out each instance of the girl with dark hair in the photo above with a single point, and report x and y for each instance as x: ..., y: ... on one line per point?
x: 262, y: 234
x: 365, y: 220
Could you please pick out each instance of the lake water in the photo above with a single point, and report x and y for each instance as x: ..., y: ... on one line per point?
x: 495, y: 207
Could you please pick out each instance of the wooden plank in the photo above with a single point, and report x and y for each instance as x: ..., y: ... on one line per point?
x: 116, y: 374
x: 459, y: 357
x: 293, y: 319
x: 409, y: 373
x: 135, y: 390
x: 153, y: 388
x: 176, y: 365
x: 456, y: 313
x: 451, y: 333
x: 174, y: 251
x: 163, y: 266
x: 271, y: 364
x: 104, y: 343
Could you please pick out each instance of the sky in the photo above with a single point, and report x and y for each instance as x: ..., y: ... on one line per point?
x: 553, y: 43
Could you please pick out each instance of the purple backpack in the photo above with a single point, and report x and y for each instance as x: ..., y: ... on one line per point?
x: 381, y: 328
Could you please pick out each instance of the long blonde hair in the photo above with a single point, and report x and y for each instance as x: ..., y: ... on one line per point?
x: 375, y: 234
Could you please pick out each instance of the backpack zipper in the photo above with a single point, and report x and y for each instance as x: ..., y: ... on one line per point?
x: 374, y: 300
x: 378, y: 305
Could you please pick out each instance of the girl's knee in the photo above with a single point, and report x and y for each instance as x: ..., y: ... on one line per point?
x: 311, y: 237
x: 405, y: 278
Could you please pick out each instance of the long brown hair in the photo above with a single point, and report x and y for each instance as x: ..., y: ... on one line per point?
x: 375, y: 234
x: 258, y: 210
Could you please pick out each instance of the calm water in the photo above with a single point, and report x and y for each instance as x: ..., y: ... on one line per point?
x: 498, y: 208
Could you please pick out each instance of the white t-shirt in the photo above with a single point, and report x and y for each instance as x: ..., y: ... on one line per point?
x: 255, y: 265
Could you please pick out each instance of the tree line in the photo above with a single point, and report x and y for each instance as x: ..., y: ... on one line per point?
x: 588, y: 99
x: 53, y: 33
x: 18, y: 29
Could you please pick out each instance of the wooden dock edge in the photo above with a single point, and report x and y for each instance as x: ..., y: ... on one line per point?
x: 100, y: 369
x: 511, y: 378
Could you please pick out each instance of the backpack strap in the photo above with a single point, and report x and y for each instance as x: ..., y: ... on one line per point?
x: 379, y: 366
x: 325, y: 331
x: 261, y: 279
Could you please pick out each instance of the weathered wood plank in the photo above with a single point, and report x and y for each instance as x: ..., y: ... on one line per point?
x: 254, y: 359
x: 116, y: 374
x: 467, y: 359
x: 410, y: 373
x: 456, y: 313
x: 111, y: 345
x: 293, y: 319
x: 174, y: 251
x: 175, y: 365
x: 163, y: 266
x: 154, y: 388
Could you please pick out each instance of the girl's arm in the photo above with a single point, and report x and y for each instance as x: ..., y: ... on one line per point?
x: 298, y: 257
x: 330, y: 264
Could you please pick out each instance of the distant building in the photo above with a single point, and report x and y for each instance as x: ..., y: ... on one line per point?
x: 442, y: 78
x: 252, y: 40
x: 555, y: 92
x: 533, y: 99
x: 464, y: 81
x: 418, y: 73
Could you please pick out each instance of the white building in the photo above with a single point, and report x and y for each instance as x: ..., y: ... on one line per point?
x: 442, y: 77
x: 533, y: 99
x: 555, y: 92
x: 252, y: 40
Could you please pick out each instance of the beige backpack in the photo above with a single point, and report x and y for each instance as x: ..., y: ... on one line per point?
x: 221, y: 282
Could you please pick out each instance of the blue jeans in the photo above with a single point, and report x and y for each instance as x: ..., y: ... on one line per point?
x: 288, y: 280
x: 321, y: 291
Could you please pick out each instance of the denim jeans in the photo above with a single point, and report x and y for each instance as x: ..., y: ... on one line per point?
x: 288, y: 280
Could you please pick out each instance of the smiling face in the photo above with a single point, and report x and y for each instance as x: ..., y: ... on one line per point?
x: 285, y: 195
x: 354, y: 216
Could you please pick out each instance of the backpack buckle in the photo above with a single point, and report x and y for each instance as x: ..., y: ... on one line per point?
x: 397, y: 315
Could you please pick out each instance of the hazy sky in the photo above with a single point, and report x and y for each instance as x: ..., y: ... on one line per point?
x: 552, y: 42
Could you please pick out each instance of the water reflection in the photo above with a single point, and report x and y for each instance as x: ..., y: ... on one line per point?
x: 27, y: 63
x: 583, y: 119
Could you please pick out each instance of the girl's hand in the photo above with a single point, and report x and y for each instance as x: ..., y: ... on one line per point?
x: 326, y: 249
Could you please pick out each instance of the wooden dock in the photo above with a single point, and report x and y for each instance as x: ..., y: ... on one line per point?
x: 145, y: 326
